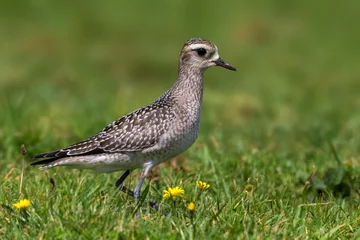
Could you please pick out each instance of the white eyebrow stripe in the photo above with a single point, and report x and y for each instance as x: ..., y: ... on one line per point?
x: 198, y: 45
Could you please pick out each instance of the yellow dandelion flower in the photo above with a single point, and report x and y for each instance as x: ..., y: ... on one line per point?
x: 22, y: 204
x: 166, y: 194
x: 173, y: 192
x: 202, y: 185
x: 191, y: 206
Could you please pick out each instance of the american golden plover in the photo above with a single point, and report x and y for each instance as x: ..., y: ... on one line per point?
x: 152, y: 134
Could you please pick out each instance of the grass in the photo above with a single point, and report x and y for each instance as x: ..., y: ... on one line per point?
x: 279, y: 140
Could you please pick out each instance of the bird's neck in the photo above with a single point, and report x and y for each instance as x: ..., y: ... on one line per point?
x: 188, y: 89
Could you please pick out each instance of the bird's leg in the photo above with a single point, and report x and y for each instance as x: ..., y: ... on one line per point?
x: 124, y: 189
x: 146, y: 168
x: 119, y: 183
x: 138, y: 188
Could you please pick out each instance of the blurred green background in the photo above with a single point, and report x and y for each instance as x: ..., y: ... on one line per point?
x: 69, y: 68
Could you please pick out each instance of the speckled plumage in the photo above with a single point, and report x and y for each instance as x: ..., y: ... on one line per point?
x: 152, y: 134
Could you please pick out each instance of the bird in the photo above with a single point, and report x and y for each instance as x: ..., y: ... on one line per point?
x: 151, y: 134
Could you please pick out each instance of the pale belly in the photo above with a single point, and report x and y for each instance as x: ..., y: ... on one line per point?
x: 178, y: 144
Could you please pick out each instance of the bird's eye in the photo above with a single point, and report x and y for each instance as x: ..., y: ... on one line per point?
x: 201, y: 51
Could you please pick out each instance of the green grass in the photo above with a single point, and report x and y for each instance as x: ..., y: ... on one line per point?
x: 279, y: 141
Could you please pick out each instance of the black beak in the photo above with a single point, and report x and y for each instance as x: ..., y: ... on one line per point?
x: 222, y: 63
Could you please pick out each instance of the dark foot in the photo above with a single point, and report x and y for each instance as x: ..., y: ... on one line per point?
x: 127, y: 191
x: 131, y: 193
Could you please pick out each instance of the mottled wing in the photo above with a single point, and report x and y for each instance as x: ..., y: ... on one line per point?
x: 136, y: 131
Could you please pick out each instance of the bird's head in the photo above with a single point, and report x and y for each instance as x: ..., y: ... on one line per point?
x: 202, y: 54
